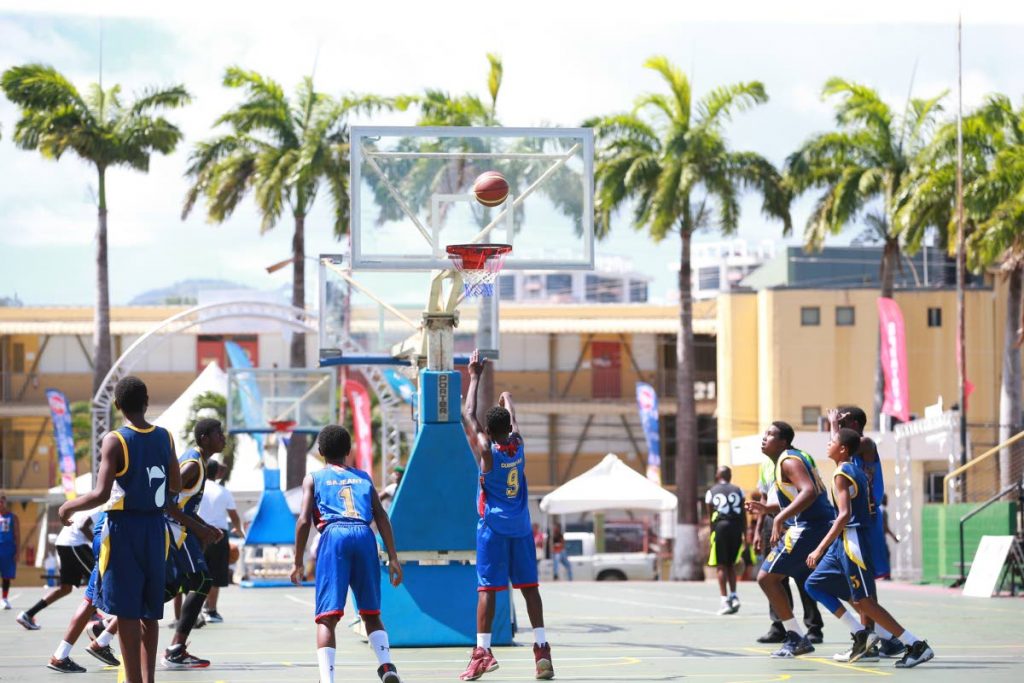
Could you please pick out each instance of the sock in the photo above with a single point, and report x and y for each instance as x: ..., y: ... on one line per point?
x: 792, y: 624
x: 733, y: 596
x: 851, y: 621
x: 483, y: 640
x: 381, y: 647
x: 725, y: 599
x: 325, y: 660
x: 62, y: 651
x: 882, y: 633
x: 539, y: 636
x: 6, y: 587
x: 104, y: 638
x: 36, y: 608
x: 907, y: 638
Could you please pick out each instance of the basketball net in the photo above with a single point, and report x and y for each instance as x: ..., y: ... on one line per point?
x: 283, y: 431
x: 479, y: 265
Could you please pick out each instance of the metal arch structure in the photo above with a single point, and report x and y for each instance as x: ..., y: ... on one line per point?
x: 302, y: 320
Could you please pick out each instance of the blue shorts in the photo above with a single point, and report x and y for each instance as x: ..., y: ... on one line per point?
x: 347, y: 558
x: 186, y: 568
x: 879, y: 550
x: 501, y: 560
x: 94, y: 575
x: 845, y: 571
x: 8, y: 566
x: 90, y: 589
x: 789, y: 556
x: 132, y: 566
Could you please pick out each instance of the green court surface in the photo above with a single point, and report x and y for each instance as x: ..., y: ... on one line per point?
x: 599, y: 632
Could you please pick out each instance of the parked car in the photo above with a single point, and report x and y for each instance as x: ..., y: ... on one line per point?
x: 590, y: 565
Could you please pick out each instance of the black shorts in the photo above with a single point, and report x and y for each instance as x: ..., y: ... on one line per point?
x: 75, y: 564
x: 217, y: 555
x: 726, y: 542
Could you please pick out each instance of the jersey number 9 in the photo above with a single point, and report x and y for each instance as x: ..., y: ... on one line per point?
x: 512, y: 483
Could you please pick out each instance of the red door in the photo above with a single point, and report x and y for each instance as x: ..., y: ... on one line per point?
x: 606, y: 373
x: 210, y: 348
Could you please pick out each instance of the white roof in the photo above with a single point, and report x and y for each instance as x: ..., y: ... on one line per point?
x: 610, y: 485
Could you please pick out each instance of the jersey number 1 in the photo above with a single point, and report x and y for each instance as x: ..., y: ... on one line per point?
x: 346, y: 499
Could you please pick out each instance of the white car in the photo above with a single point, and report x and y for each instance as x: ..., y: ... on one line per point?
x: 590, y: 565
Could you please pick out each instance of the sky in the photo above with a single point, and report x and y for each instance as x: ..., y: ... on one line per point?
x: 563, y: 62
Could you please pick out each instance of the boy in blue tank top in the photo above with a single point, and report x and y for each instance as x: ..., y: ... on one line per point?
x: 9, y: 543
x: 342, y: 502
x: 138, y: 461
x: 505, y: 549
x: 803, y: 515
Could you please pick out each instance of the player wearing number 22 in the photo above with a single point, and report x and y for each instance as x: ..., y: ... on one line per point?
x: 728, y: 524
x: 138, y: 461
x: 505, y: 550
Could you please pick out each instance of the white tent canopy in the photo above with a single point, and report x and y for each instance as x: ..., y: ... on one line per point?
x: 610, y: 485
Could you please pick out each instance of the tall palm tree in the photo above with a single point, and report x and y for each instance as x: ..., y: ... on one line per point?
x: 859, y: 169
x: 670, y: 158
x: 281, y: 150
x: 993, y: 171
x: 105, y: 132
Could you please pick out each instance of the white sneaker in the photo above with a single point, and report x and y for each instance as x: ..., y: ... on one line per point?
x: 4, y: 603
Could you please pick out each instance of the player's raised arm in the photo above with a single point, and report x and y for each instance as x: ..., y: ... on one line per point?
x: 387, y: 534
x: 478, y: 440
x: 111, y: 461
x: 302, y: 525
x: 505, y: 401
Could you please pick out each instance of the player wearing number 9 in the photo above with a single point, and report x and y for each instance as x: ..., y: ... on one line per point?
x: 505, y: 550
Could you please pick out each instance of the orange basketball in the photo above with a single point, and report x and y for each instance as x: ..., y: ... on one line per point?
x: 490, y: 188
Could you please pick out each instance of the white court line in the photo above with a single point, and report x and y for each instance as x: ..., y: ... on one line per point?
x: 636, y: 603
x: 307, y: 603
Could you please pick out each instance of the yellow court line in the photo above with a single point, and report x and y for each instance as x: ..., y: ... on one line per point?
x: 780, y: 677
x: 820, y: 660
x: 120, y: 674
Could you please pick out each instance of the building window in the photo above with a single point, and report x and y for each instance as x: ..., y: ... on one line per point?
x: 558, y: 285
x: 845, y: 316
x: 533, y: 287
x: 708, y: 278
x: 18, y: 362
x: 809, y: 415
x: 604, y: 290
x: 810, y: 316
x: 933, y: 486
x: 507, y: 287
x: 934, y: 317
x: 637, y: 292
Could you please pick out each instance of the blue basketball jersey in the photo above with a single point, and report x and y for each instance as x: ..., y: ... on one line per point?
x: 143, y: 476
x: 7, y: 533
x: 873, y: 472
x: 188, y: 499
x: 862, y: 507
x: 343, y: 495
x: 502, y: 495
x: 820, y: 510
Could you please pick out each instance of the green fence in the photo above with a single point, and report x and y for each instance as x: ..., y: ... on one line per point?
x: 940, y: 535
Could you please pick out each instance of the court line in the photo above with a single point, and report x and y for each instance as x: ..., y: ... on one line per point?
x: 829, y: 662
x: 306, y: 603
x: 636, y: 603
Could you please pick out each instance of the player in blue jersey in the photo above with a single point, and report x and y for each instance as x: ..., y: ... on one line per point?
x: 505, y: 551
x: 842, y: 562
x: 803, y: 515
x: 138, y: 460
x: 9, y: 542
x: 342, y: 502
x: 187, y: 547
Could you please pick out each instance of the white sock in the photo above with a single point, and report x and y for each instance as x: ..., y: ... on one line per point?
x: 908, y: 638
x: 63, y: 650
x: 381, y: 648
x: 483, y: 640
x: 793, y: 625
x: 882, y: 633
x: 325, y: 660
x: 854, y: 625
x: 725, y: 599
x: 539, y: 636
x: 733, y: 596
x: 104, y: 638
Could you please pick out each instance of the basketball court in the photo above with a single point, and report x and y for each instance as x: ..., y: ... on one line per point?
x: 607, y: 631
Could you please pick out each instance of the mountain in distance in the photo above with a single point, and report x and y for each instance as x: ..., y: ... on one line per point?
x: 183, y: 293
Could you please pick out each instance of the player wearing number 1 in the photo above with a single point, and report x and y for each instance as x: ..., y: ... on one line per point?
x: 728, y: 524
x: 138, y: 459
x: 505, y: 551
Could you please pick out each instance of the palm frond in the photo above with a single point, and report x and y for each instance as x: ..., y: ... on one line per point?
x: 678, y: 86
x: 718, y: 105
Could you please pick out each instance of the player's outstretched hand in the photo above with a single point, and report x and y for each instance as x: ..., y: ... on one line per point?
x: 395, y: 571
x: 777, y: 530
x: 755, y: 507
x: 65, y: 516
x: 476, y: 363
x: 209, y: 534
x: 298, y: 575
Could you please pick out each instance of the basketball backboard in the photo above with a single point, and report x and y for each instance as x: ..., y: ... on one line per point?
x: 258, y: 397
x: 411, y: 195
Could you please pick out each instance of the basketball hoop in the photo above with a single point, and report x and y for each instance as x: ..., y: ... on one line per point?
x: 283, y: 428
x: 479, y: 265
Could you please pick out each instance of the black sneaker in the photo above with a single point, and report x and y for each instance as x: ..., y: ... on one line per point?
x: 65, y: 666
x: 794, y: 646
x: 773, y: 636
x: 104, y: 654
x: 863, y: 642
x: 27, y: 622
x: 815, y: 637
x: 918, y: 653
x: 891, y: 648
x: 388, y: 673
x: 214, y: 617
x: 177, y: 657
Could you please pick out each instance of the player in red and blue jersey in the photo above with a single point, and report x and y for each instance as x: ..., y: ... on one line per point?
x: 505, y: 550
x: 9, y: 541
x: 342, y: 501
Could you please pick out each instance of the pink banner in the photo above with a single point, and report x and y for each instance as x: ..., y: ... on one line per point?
x: 894, y: 359
x: 359, y: 403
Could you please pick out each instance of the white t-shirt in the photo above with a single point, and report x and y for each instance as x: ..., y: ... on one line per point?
x: 73, y: 534
x: 213, y: 508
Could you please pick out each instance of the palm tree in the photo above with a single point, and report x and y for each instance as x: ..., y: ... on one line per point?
x: 281, y: 151
x: 103, y: 131
x: 993, y: 169
x: 860, y: 168
x: 670, y: 158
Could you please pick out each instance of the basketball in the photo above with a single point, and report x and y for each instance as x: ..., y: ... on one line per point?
x: 490, y: 188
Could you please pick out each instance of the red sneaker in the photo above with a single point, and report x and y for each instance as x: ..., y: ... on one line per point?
x: 542, y: 655
x: 481, y: 662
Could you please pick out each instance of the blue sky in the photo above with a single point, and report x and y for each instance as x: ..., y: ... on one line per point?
x: 560, y: 66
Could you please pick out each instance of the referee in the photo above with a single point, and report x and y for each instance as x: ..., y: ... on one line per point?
x: 218, y: 510
x: 74, y: 551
